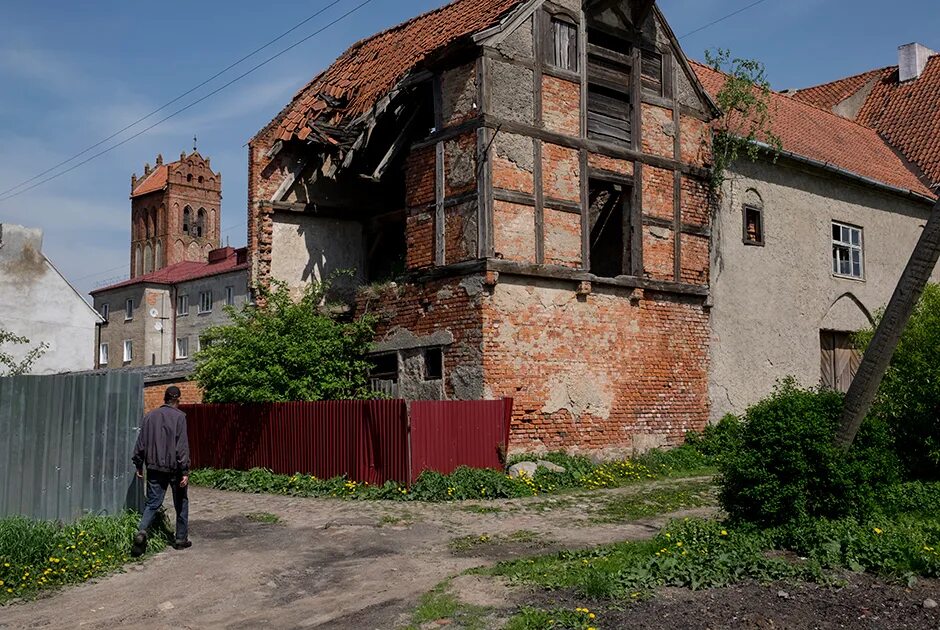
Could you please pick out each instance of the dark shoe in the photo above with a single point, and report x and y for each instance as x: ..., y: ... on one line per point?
x: 182, y: 544
x: 140, y: 545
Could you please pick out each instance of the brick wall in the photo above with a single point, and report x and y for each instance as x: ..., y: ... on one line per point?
x: 603, y: 373
x: 561, y: 106
x: 153, y: 393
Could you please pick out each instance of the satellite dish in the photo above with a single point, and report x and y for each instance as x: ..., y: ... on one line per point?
x: 154, y: 312
x: 158, y: 326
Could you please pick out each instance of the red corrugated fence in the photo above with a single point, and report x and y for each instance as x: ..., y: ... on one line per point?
x: 373, y: 441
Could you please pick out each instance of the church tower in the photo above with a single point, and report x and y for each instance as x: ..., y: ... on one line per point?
x: 175, y: 213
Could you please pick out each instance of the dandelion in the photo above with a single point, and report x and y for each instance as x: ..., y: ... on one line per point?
x: 591, y: 615
x: 878, y: 530
x: 724, y: 532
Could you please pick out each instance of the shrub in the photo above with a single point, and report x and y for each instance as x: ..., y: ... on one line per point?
x: 718, y: 438
x: 909, y: 397
x: 784, y: 465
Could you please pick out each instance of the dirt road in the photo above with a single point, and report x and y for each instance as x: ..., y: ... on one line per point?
x: 326, y: 563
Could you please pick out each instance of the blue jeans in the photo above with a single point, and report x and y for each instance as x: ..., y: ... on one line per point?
x: 157, y: 483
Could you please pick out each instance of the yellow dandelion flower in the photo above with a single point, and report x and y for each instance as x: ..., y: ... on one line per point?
x: 878, y: 530
x: 724, y: 532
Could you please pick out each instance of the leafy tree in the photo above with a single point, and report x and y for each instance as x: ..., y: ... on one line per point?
x: 284, y: 350
x: 744, y: 129
x: 909, y: 396
x: 9, y: 366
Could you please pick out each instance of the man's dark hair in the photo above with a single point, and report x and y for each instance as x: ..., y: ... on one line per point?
x: 172, y: 393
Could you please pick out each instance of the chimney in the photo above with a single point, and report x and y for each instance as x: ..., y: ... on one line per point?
x: 912, y: 59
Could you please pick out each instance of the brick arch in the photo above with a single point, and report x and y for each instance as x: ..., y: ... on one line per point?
x: 138, y: 261
x: 193, y: 252
x: 158, y: 255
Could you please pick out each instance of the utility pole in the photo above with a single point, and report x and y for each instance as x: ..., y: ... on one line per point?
x: 875, y: 362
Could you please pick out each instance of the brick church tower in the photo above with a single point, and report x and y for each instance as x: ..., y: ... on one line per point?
x: 175, y: 213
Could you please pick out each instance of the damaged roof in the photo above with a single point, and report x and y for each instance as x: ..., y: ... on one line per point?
x: 372, y: 67
x: 906, y: 114
x: 822, y: 136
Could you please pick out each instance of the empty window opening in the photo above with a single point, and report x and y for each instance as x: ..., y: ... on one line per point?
x: 200, y: 228
x: 652, y: 72
x: 847, y: 259
x: 187, y: 219
x: 610, y: 66
x: 433, y: 364
x: 384, y: 375
x: 753, y: 225
x: 189, y: 177
x: 564, y: 52
x: 839, y: 359
x: 609, y: 216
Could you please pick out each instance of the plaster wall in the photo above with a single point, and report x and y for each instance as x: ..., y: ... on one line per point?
x: 150, y: 346
x: 194, y: 323
x: 771, y: 302
x: 38, y: 303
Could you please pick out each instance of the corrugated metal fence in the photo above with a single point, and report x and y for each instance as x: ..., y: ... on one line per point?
x: 66, y: 444
x: 373, y: 441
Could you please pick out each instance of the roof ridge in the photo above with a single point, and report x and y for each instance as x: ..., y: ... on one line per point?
x: 846, y: 78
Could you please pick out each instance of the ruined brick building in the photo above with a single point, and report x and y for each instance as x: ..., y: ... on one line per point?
x: 521, y: 187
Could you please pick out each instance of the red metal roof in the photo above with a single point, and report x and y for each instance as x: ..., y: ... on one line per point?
x: 820, y: 135
x: 185, y: 271
x: 906, y: 114
x: 372, y: 67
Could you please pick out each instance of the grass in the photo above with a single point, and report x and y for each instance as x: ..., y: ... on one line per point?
x: 466, y: 544
x: 655, y: 502
x: 263, y: 517
x: 529, y: 618
x: 36, y: 556
x: 469, y: 483
x: 440, y: 604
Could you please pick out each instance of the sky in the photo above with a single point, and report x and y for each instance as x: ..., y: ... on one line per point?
x: 72, y: 74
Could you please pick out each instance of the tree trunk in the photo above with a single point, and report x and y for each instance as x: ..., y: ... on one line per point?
x: 875, y: 362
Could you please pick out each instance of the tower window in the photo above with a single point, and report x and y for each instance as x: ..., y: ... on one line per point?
x: 201, y: 179
x: 200, y: 228
x: 187, y: 219
x: 189, y: 177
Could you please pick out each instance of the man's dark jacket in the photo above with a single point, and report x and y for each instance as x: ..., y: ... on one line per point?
x: 162, y: 444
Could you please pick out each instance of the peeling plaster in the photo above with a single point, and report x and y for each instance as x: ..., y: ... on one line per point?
x: 580, y: 394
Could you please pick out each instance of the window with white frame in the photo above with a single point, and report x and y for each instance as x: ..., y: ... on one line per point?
x: 182, y: 347
x: 128, y: 350
x: 103, y: 354
x: 105, y: 312
x: 847, y: 251
x: 205, y: 302
x: 230, y: 296
x: 129, y: 309
x: 182, y: 305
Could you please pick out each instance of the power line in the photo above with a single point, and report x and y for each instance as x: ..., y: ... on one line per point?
x: 183, y: 109
x: 722, y: 19
x: 168, y: 103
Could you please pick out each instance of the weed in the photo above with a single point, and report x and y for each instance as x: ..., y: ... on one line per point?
x: 466, y: 544
x: 538, y: 619
x: 441, y: 604
x: 654, y: 502
x: 263, y: 517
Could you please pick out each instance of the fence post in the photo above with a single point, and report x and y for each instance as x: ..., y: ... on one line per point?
x: 409, y: 480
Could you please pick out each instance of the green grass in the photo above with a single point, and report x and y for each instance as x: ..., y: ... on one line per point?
x: 529, y: 618
x: 655, y: 502
x: 40, y: 555
x: 440, y: 604
x: 464, y: 544
x: 263, y: 517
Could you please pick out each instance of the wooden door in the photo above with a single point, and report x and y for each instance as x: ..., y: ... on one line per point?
x: 839, y: 359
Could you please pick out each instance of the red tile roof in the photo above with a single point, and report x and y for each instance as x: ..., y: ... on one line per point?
x: 828, y: 95
x: 186, y: 271
x: 155, y: 181
x: 906, y: 114
x: 820, y: 135
x: 371, y: 68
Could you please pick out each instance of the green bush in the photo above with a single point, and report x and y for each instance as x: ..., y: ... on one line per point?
x: 785, y: 467
x: 39, y: 555
x: 717, y: 438
x: 909, y: 396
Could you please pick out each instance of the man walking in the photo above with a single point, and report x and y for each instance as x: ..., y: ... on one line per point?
x: 163, y: 448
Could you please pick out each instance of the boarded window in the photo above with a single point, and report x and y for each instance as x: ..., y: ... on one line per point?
x: 652, y: 74
x: 840, y: 359
x: 609, y: 216
x: 753, y: 225
x: 609, y: 89
x: 564, y: 45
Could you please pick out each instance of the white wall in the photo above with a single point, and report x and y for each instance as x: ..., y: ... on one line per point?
x: 771, y: 302
x: 37, y: 302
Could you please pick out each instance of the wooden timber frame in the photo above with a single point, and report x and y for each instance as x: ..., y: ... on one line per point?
x: 486, y: 125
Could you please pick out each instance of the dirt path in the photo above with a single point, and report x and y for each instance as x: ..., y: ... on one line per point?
x: 325, y: 563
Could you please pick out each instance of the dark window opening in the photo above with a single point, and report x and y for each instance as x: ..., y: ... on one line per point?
x: 384, y: 367
x: 200, y: 227
x: 609, y: 87
x: 187, y: 219
x: 387, y: 249
x: 433, y: 364
x: 609, y: 216
x: 189, y: 177
x: 753, y: 226
x: 652, y: 73
x: 564, y: 53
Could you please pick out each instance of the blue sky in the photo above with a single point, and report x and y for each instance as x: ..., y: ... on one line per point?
x: 73, y: 73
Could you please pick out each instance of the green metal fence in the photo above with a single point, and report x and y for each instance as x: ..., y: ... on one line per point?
x: 66, y: 444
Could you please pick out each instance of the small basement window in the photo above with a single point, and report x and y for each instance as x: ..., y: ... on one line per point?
x: 847, y: 259
x: 564, y: 53
x: 433, y: 364
x: 609, y: 216
x: 753, y: 225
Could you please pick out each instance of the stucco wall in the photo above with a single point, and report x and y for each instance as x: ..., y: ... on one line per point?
x: 36, y: 302
x: 308, y: 249
x: 150, y: 346
x: 771, y: 302
x: 195, y: 323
